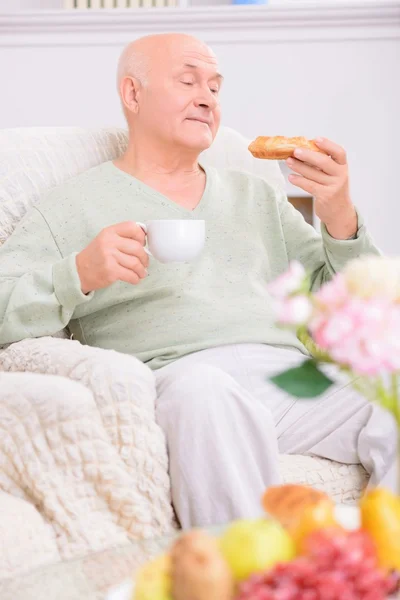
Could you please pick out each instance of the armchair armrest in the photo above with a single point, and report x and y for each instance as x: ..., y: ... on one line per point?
x: 108, y: 374
x: 124, y: 390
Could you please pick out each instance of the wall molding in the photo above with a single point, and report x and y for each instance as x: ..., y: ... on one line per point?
x: 230, y: 24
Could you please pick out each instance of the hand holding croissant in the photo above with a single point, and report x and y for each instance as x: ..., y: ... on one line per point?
x: 324, y: 175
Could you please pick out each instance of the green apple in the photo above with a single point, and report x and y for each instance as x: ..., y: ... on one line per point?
x: 255, y: 546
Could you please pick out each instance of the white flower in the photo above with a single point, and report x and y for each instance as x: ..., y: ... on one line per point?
x: 373, y: 276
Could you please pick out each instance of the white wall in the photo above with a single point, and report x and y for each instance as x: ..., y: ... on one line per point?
x: 16, y: 5
x: 332, y: 73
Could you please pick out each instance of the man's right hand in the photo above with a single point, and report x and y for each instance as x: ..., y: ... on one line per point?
x: 116, y: 254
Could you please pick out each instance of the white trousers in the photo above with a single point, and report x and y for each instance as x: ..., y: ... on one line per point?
x: 225, y: 425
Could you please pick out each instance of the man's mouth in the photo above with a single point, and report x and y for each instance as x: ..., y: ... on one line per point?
x: 200, y: 120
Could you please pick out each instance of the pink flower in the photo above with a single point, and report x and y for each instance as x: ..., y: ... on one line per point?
x: 289, y: 282
x: 333, y: 330
x: 353, y: 355
x: 354, y: 318
x: 363, y: 334
x: 294, y: 310
x: 333, y: 293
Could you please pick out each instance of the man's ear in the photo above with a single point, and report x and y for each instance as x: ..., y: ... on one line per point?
x: 129, y: 90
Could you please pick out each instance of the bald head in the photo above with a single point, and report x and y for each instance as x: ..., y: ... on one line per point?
x: 137, y: 59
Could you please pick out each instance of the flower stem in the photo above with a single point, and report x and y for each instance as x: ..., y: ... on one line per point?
x: 398, y: 464
x: 364, y: 388
x: 395, y: 398
x: 311, y: 346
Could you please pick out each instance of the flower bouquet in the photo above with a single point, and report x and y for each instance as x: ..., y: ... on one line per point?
x: 353, y: 323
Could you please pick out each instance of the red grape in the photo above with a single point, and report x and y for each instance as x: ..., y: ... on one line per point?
x: 352, y: 547
x: 339, y: 566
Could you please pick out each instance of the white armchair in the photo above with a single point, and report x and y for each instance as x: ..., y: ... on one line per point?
x: 120, y: 391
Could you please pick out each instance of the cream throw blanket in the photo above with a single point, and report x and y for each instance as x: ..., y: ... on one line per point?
x: 89, y: 457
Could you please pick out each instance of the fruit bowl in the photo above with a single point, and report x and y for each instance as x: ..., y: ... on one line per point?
x: 347, y: 516
x: 304, y: 547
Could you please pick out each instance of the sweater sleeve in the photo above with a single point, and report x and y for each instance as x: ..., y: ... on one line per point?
x: 320, y: 254
x: 39, y: 289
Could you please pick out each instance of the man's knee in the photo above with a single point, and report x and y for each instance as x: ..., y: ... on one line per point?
x: 200, y: 389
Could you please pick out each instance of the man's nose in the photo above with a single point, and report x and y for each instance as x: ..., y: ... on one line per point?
x: 206, y: 100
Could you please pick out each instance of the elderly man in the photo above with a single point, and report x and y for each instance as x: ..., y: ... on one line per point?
x: 207, y: 327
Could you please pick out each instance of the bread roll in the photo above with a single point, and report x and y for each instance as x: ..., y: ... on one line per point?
x: 279, y: 147
x: 199, y: 570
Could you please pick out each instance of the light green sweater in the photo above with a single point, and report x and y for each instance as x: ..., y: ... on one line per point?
x: 252, y: 232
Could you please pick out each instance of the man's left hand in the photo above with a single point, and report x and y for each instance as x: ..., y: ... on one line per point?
x: 326, y: 178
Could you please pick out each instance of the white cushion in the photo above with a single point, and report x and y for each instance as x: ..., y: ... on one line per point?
x: 230, y: 151
x: 345, y: 484
x: 34, y: 160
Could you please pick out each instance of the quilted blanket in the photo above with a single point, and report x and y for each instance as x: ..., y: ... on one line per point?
x: 83, y: 464
x: 85, y: 451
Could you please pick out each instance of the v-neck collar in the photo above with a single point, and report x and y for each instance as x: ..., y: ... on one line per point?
x: 149, y: 191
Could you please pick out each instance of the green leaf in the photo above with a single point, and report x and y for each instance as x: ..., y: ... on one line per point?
x: 306, y: 381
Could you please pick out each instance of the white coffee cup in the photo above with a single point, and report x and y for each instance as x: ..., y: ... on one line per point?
x: 180, y: 240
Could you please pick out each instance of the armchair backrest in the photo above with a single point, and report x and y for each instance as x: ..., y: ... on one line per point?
x: 34, y: 160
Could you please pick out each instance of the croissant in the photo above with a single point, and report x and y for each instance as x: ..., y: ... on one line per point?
x: 287, y: 503
x: 279, y: 147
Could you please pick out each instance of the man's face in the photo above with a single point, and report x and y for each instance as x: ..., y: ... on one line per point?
x: 180, y: 103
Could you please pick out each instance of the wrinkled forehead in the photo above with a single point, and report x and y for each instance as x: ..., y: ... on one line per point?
x: 178, y: 55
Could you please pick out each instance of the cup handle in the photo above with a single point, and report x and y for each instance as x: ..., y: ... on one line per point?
x: 144, y: 227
